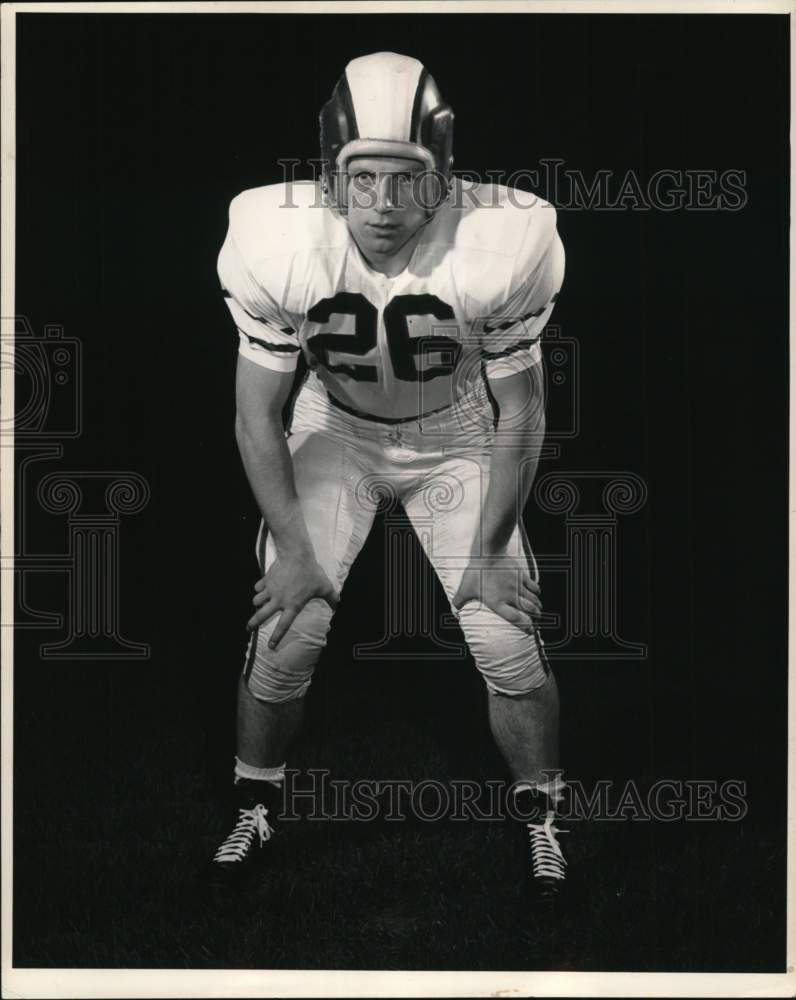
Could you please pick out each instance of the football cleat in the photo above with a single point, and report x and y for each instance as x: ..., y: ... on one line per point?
x: 547, y: 865
x: 246, y: 845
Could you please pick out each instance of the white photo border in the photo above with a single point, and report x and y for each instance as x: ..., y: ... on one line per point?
x: 90, y: 983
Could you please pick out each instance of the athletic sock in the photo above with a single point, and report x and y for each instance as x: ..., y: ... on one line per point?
x: 554, y: 790
x: 273, y: 775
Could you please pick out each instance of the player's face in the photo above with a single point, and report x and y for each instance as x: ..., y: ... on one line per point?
x: 384, y: 209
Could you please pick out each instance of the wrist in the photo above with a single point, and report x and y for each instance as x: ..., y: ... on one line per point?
x: 490, y: 556
x: 493, y: 544
x: 295, y: 547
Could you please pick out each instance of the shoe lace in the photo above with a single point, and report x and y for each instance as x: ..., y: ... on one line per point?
x: 250, y: 822
x: 546, y: 856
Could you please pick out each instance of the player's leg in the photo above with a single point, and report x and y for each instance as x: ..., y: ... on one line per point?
x: 274, y: 682
x: 525, y: 729
x: 265, y: 730
x: 522, y: 695
x: 523, y: 702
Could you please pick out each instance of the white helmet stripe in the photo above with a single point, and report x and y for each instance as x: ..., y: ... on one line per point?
x: 383, y: 89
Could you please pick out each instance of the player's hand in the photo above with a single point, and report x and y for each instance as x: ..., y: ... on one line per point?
x: 287, y: 587
x: 509, y: 592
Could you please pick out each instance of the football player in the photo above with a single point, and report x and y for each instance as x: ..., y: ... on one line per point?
x: 418, y: 302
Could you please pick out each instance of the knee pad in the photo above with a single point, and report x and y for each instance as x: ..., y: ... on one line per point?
x: 285, y: 673
x: 511, y: 661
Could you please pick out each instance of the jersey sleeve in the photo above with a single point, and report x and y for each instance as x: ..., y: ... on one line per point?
x: 266, y: 335
x: 511, y: 336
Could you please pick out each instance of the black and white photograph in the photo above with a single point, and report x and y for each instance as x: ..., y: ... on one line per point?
x: 395, y: 499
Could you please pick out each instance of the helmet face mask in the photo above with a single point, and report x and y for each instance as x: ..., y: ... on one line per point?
x: 386, y: 105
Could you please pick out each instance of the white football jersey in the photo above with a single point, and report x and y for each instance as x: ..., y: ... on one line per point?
x: 474, y: 298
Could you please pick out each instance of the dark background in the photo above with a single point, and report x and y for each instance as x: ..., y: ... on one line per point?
x: 133, y: 134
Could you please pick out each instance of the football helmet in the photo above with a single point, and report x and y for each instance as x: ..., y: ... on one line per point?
x: 386, y: 104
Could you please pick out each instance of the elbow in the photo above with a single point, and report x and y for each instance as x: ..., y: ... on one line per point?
x: 524, y: 434
x: 520, y: 399
x: 243, y: 435
x: 528, y: 427
x: 537, y: 422
x: 240, y: 429
x: 524, y: 415
x: 264, y: 427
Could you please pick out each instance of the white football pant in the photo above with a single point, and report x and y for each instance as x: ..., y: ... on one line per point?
x: 437, y: 467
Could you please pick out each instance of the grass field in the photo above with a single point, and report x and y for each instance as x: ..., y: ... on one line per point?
x: 118, y: 804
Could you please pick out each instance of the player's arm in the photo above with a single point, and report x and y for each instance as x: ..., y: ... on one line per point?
x: 519, y: 436
x: 513, y: 368
x: 491, y: 577
x: 268, y: 350
x: 295, y: 577
x: 261, y: 395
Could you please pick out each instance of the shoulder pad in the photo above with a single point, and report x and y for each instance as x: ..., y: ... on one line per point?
x: 499, y: 238
x: 505, y: 221
x: 281, y: 220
